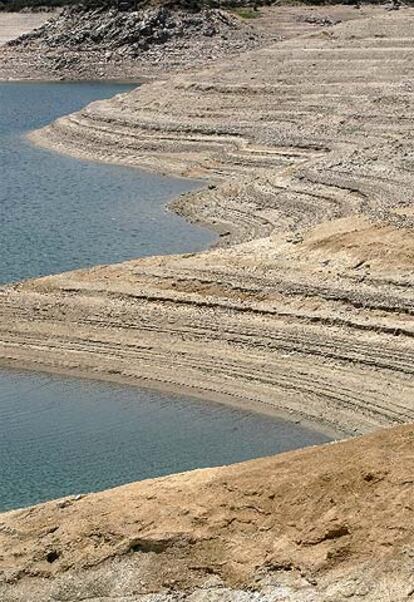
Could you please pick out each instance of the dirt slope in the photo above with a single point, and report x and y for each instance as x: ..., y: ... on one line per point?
x: 337, y: 520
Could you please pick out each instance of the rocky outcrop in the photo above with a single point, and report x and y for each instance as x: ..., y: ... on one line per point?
x: 128, y: 33
x: 78, y: 38
x: 104, y: 42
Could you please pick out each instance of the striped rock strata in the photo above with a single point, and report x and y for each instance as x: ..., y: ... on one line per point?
x: 307, y: 304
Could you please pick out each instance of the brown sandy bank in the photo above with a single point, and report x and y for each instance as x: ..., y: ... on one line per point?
x: 325, y: 524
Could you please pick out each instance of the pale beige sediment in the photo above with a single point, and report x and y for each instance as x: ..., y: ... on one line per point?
x: 308, y: 305
x: 13, y: 25
x: 214, y: 323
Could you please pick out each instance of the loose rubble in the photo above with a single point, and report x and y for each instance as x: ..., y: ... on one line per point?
x: 80, y: 39
x: 153, y: 40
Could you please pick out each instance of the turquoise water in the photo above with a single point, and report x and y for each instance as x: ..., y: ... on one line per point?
x: 57, y: 213
x: 61, y: 436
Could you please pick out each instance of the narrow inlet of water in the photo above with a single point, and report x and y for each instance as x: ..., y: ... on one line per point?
x: 61, y: 436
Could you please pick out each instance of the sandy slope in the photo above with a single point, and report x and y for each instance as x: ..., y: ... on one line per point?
x: 329, y: 523
x: 13, y: 25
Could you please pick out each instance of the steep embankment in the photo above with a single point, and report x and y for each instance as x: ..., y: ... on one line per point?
x: 330, y: 524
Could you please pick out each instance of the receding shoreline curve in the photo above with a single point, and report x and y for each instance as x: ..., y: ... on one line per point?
x: 307, y: 304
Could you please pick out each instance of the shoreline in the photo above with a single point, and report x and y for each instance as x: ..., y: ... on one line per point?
x: 138, y: 81
x: 250, y: 405
x: 312, y: 502
x: 171, y: 205
x: 266, y: 281
x: 213, y: 396
x: 179, y: 205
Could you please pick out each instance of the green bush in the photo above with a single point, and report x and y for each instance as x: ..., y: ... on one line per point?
x: 246, y: 13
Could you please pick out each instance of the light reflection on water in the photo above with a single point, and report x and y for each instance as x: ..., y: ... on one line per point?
x: 58, y: 213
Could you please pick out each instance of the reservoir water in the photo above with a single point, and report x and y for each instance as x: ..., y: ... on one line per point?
x: 57, y: 213
x: 61, y: 436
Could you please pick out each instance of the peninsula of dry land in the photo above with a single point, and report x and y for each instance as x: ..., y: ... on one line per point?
x: 325, y: 524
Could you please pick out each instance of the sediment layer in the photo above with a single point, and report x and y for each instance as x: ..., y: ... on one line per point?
x: 307, y: 305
